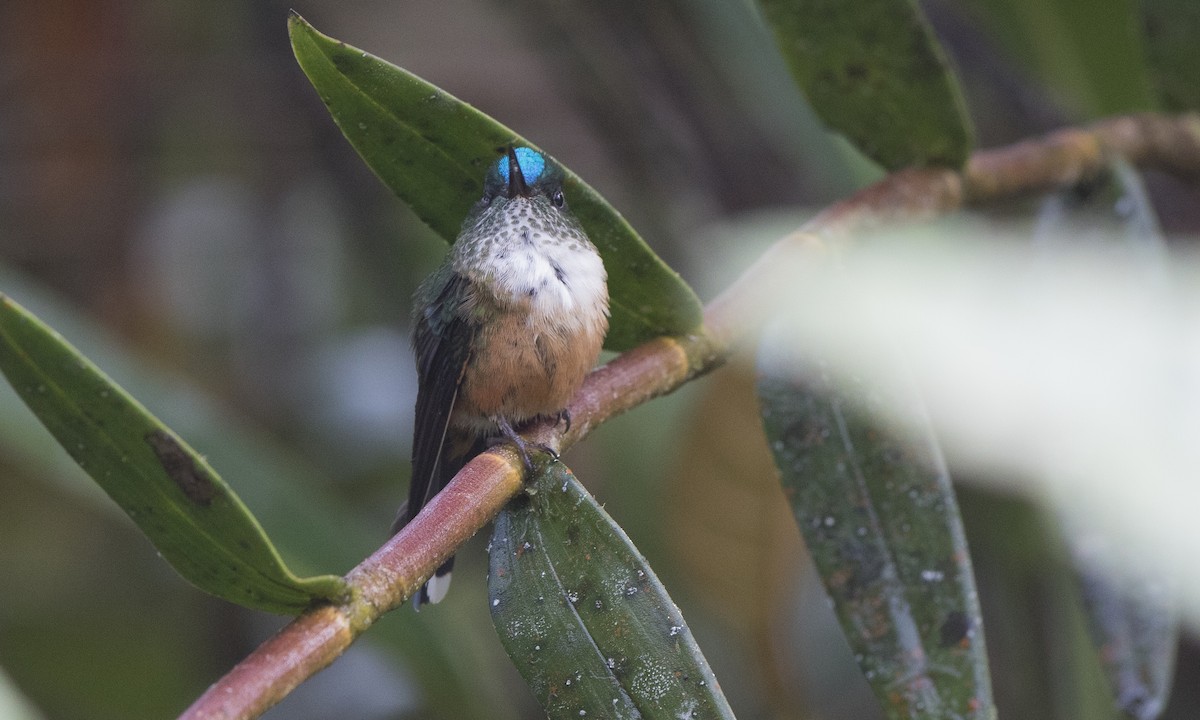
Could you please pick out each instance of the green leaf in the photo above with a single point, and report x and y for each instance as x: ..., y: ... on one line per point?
x: 584, y: 618
x: 197, y: 523
x: 1130, y: 614
x: 1089, y: 51
x: 1172, y: 27
x: 1132, y: 620
x: 311, y: 526
x: 433, y: 150
x: 882, y: 525
x: 874, y: 72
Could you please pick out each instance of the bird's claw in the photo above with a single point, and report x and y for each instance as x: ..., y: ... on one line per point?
x: 523, y: 445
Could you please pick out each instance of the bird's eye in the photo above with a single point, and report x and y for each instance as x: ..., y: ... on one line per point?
x: 558, y: 199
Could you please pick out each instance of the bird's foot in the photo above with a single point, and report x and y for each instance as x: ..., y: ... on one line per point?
x: 563, y: 416
x: 524, y: 445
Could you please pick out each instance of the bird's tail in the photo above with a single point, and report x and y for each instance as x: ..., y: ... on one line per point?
x: 456, y: 451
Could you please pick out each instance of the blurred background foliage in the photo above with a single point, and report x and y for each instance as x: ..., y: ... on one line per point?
x: 176, y: 201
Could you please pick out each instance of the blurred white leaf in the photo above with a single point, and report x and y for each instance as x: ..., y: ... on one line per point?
x: 1076, y: 384
x: 13, y: 705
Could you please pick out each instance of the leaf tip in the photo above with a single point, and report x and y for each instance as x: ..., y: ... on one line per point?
x: 296, y: 23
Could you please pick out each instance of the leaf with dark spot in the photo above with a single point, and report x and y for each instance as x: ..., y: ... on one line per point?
x: 955, y: 628
x: 194, y: 519
x: 180, y: 467
x: 880, y: 519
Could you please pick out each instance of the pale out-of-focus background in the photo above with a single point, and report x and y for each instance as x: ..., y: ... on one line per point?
x: 175, y: 200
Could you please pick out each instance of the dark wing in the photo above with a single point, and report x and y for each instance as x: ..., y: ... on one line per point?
x: 442, y: 342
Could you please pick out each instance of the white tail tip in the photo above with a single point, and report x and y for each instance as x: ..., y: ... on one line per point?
x: 437, y: 587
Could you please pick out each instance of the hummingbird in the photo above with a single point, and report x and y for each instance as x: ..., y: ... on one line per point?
x: 506, y: 328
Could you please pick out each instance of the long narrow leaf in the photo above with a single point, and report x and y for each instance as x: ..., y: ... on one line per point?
x: 1090, y: 53
x: 881, y: 521
x: 584, y: 618
x: 1130, y: 610
x: 312, y: 527
x: 1171, y: 29
x: 432, y: 150
x: 874, y: 72
x: 1133, y: 621
x: 190, y: 514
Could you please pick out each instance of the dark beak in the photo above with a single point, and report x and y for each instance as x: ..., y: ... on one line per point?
x: 516, y: 179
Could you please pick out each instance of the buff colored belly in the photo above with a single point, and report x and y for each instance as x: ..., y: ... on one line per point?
x: 521, y: 369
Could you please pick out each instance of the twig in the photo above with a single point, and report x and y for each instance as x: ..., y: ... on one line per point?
x: 394, y: 572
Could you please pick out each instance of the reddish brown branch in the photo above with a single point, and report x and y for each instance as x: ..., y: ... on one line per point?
x: 393, y: 573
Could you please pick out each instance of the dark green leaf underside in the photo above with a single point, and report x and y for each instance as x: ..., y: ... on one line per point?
x: 1172, y: 28
x: 1131, y: 618
x: 433, y: 150
x: 882, y: 525
x: 194, y: 520
x: 1090, y: 54
x: 583, y: 617
x: 873, y: 72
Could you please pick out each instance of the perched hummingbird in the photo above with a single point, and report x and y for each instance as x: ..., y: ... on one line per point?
x: 506, y: 328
